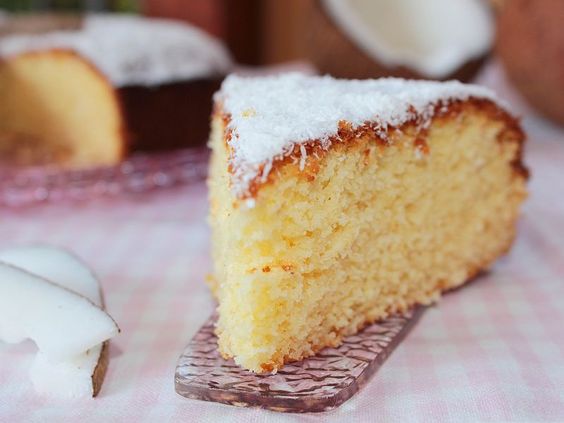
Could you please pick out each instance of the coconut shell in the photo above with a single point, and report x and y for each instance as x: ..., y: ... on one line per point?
x: 333, y: 52
x: 100, y: 371
x: 498, y: 4
x: 530, y: 43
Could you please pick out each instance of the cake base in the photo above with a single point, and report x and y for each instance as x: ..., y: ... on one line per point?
x: 316, y: 384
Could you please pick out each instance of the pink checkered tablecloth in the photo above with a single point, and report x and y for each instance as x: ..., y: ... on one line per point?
x: 492, y: 351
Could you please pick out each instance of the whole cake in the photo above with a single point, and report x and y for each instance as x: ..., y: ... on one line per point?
x: 87, y: 90
x: 335, y: 203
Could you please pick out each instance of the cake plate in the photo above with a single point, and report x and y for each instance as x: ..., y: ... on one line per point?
x: 142, y: 172
x: 319, y: 383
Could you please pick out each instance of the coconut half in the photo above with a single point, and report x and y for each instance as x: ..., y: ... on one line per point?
x: 80, y: 374
x: 432, y: 39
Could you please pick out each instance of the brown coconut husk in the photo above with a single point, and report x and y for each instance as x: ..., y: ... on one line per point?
x: 530, y: 42
x: 101, y: 368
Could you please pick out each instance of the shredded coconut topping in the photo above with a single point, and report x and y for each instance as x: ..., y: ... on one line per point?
x: 132, y: 50
x: 294, y: 109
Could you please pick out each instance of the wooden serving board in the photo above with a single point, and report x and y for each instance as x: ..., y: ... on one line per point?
x: 319, y: 383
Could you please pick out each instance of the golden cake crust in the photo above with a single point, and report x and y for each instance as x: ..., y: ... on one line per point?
x: 347, y: 135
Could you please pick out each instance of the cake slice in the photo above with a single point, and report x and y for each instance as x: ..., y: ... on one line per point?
x: 86, y: 91
x: 335, y: 203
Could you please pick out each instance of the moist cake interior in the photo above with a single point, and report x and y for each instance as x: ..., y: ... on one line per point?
x: 346, y: 230
x: 47, y: 99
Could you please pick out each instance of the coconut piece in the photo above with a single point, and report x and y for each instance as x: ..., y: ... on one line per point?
x: 432, y: 39
x: 61, y: 322
x: 530, y: 43
x: 83, y: 374
x: 56, y: 265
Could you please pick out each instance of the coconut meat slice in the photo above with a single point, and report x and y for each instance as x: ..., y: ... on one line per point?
x: 83, y: 374
x: 78, y: 377
x: 433, y: 38
x: 56, y: 265
x: 61, y: 322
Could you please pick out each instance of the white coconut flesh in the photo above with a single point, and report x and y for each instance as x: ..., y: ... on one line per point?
x: 434, y: 38
x: 72, y: 377
x: 56, y: 265
x: 61, y: 322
